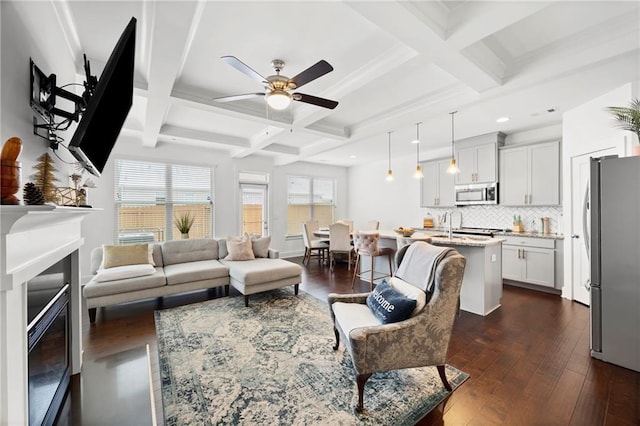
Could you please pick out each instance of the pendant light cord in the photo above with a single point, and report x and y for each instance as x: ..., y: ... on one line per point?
x: 452, y: 137
x: 389, y: 150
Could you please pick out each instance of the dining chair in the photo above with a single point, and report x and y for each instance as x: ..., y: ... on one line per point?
x: 348, y: 222
x: 339, y: 243
x: 372, y: 225
x: 366, y: 244
x: 311, y: 244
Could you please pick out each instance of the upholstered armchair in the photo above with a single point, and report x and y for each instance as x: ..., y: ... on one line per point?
x: 421, y: 340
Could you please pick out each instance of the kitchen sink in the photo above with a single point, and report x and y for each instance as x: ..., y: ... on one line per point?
x: 462, y: 237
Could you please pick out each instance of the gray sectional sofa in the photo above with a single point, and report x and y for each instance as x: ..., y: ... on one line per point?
x: 187, y: 265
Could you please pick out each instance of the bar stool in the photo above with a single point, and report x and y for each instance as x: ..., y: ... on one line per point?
x: 366, y: 244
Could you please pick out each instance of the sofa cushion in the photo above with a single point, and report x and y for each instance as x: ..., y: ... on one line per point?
x: 182, y: 251
x: 123, y: 272
x: 353, y: 315
x: 199, y: 270
x: 96, y: 289
x: 261, y: 270
x: 222, y: 248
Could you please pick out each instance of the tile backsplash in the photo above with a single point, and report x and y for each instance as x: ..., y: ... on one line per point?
x: 488, y: 216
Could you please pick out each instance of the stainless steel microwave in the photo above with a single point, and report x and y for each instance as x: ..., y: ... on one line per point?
x: 476, y: 193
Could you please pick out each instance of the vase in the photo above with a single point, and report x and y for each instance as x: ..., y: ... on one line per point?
x: 185, y: 236
x: 10, y: 181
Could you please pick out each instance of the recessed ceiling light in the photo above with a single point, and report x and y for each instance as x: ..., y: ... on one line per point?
x: 352, y: 156
x: 502, y: 120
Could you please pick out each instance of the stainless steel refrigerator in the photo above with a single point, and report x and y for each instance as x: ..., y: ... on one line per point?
x: 615, y: 260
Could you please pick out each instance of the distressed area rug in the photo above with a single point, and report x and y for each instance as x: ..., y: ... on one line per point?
x: 273, y: 363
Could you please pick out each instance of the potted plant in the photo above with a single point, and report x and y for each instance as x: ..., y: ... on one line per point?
x: 184, y: 222
x: 628, y: 118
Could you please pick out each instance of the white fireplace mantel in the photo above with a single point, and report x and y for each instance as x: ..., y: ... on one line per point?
x: 33, y: 238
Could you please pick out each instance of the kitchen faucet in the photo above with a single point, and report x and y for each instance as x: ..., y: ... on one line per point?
x: 449, y: 221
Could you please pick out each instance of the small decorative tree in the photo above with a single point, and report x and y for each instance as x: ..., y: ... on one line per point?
x: 45, y: 177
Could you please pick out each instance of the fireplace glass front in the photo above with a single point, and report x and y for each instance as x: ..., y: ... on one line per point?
x: 48, y: 343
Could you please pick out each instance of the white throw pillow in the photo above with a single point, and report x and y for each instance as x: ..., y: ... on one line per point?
x: 410, y: 291
x: 123, y: 272
x: 239, y: 248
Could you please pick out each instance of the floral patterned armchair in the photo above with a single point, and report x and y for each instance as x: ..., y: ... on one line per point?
x: 421, y: 340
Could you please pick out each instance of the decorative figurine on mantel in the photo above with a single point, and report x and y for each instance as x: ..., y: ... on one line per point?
x: 10, y: 171
x: 44, y: 178
x: 32, y: 195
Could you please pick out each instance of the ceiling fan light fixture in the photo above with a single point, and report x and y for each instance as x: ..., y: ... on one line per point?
x: 278, y: 99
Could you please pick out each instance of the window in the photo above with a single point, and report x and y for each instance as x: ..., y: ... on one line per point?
x: 148, y: 196
x: 309, y: 198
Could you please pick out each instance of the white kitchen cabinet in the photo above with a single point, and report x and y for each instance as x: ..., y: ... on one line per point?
x: 477, y: 158
x: 530, y: 260
x: 530, y: 175
x: 436, y: 189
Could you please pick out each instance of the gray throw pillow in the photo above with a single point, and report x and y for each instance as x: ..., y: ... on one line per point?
x: 260, y: 245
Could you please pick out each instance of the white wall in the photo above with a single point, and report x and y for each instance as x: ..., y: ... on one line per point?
x: 585, y: 129
x: 24, y: 36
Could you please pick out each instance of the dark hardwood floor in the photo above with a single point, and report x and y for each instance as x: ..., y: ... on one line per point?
x: 529, y: 360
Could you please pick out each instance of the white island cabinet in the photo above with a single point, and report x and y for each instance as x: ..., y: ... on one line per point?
x: 481, y: 290
x: 482, y: 283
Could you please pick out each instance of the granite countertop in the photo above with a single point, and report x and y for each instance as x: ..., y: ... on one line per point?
x: 552, y: 236
x: 457, y: 240
x: 506, y: 233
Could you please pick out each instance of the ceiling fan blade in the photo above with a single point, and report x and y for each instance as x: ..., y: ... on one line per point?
x: 314, y: 100
x: 237, y: 97
x: 319, y: 69
x: 243, y: 68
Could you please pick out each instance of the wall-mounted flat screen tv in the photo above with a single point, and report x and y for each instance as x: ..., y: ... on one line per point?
x: 109, y: 106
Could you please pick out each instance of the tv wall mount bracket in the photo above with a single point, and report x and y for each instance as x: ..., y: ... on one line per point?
x: 44, y: 97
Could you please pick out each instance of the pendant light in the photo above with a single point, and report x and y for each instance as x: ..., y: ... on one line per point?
x: 418, y: 174
x: 389, y: 172
x: 453, y: 167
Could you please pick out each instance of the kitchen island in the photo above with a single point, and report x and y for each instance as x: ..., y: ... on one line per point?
x: 482, y: 283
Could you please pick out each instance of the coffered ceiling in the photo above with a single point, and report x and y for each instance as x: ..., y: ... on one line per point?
x: 395, y: 63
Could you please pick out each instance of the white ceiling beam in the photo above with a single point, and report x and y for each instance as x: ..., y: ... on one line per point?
x: 191, y: 101
x: 70, y: 31
x: 173, y: 29
x: 417, y: 32
x: 474, y: 21
x: 175, y: 132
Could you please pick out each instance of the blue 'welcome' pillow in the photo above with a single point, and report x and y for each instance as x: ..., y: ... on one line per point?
x: 389, y: 305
